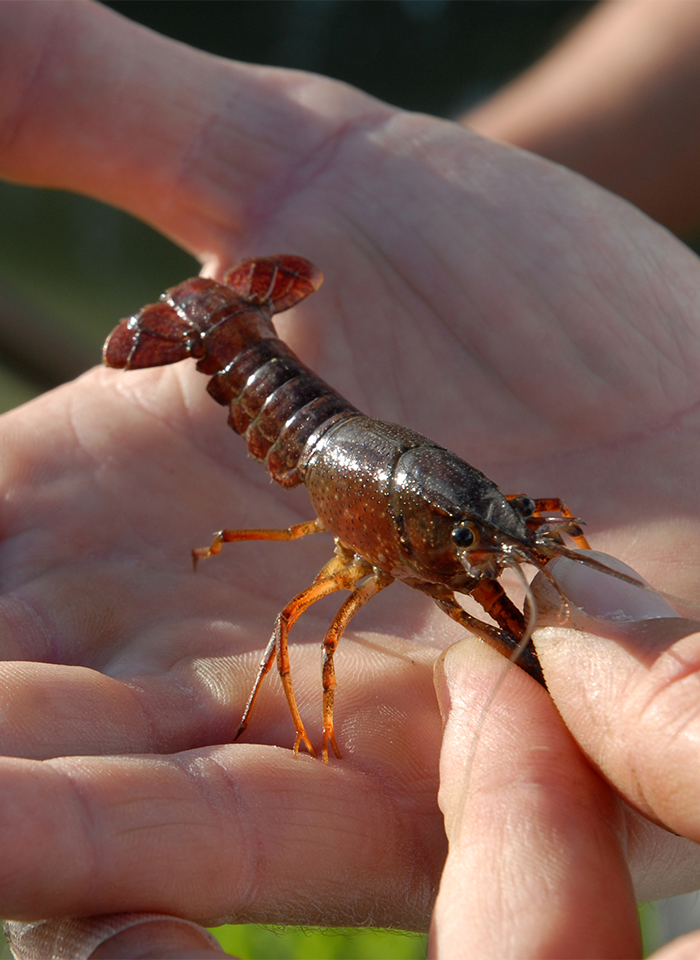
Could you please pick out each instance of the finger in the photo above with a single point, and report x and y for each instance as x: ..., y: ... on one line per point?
x: 161, y: 940
x: 684, y: 948
x: 661, y: 863
x: 536, y: 863
x: 55, y: 710
x: 242, y: 831
x: 51, y: 710
x: 633, y: 702
x: 122, y: 935
x: 120, y: 125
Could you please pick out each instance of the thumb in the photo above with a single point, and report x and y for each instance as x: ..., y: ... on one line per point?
x: 536, y: 863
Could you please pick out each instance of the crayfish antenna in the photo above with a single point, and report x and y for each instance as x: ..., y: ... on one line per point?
x: 531, y: 607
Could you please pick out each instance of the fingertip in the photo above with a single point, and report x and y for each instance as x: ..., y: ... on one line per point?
x: 467, y: 673
x: 112, y: 937
x: 160, y: 939
x: 683, y: 948
x: 606, y: 624
x: 597, y: 592
x: 483, y: 698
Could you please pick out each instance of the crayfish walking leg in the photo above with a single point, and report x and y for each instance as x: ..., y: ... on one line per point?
x: 337, y: 574
x: 359, y: 597
x: 232, y: 536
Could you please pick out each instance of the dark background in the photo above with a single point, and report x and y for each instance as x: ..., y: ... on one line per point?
x: 436, y: 56
x: 71, y: 267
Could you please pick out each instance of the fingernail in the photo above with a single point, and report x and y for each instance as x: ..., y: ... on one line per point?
x: 441, y: 687
x: 456, y: 675
x: 605, y: 596
x: 448, y: 673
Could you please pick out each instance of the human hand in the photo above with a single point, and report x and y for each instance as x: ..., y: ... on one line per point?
x: 617, y: 100
x: 545, y: 858
x: 535, y: 325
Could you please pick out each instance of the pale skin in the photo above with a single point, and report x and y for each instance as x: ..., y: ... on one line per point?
x: 618, y: 101
x: 540, y: 327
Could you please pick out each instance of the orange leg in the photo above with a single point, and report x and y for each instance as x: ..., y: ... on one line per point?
x: 343, y: 558
x: 557, y: 505
x: 359, y: 597
x: 231, y: 536
x: 342, y: 579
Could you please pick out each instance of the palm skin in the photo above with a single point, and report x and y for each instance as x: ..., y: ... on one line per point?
x: 506, y: 308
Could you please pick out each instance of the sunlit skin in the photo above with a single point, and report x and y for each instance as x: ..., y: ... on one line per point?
x: 517, y: 314
x: 616, y: 100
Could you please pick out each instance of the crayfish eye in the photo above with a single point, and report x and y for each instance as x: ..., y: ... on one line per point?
x: 465, y: 535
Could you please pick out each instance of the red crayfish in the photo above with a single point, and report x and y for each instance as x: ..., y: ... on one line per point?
x: 399, y: 506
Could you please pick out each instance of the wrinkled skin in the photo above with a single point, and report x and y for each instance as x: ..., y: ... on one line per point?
x: 540, y: 328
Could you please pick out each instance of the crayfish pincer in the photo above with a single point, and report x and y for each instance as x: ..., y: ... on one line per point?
x: 399, y: 506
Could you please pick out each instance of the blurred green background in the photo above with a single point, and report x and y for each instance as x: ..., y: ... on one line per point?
x: 71, y: 267
x: 286, y: 943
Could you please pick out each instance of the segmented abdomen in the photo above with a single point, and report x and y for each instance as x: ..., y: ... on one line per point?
x: 275, y: 401
x: 278, y: 405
